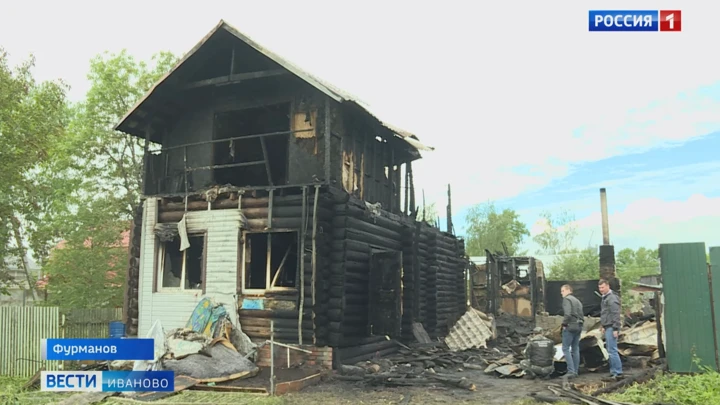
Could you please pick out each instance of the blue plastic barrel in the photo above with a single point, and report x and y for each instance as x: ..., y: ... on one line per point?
x: 117, y: 329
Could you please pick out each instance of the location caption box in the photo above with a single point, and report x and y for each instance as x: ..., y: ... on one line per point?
x: 98, y: 349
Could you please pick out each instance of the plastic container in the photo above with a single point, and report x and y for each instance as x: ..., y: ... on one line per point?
x: 117, y: 329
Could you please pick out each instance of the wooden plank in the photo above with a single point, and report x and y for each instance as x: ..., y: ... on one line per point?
x: 297, y: 385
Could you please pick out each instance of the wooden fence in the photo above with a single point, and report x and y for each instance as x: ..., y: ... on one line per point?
x: 23, y: 328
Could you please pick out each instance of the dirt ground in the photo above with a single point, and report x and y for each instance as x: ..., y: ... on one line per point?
x: 490, y: 390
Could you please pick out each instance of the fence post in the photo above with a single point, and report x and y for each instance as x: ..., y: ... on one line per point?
x: 272, y: 357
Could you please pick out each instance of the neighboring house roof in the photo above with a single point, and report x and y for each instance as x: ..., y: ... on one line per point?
x: 652, y: 279
x: 643, y: 287
x: 124, y: 242
x: 17, y: 272
x: 128, y: 123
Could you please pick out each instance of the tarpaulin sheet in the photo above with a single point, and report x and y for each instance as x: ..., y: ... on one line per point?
x: 222, y: 364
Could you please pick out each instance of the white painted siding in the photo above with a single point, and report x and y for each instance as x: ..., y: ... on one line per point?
x: 173, y: 309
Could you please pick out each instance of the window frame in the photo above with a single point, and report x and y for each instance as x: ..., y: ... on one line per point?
x: 160, y: 268
x: 268, y: 270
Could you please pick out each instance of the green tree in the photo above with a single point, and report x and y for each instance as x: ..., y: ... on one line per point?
x: 488, y: 228
x: 631, y: 264
x: 559, y: 234
x: 576, y: 264
x: 32, y: 122
x: 88, y: 269
x: 100, y: 170
x: 430, y: 214
x: 112, y: 161
x: 558, y: 239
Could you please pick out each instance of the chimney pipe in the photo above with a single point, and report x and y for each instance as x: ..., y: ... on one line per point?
x: 604, y: 212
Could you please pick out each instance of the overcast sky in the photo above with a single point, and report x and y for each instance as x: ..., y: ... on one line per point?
x: 518, y: 98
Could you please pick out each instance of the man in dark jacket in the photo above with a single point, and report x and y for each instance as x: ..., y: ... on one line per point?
x: 539, y: 354
x: 572, y: 327
x: 610, y: 321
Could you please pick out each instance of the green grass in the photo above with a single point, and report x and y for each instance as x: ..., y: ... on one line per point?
x: 11, y: 392
x: 206, y: 397
x: 698, y: 389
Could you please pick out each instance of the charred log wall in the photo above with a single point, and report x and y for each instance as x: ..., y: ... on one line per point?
x: 347, y: 231
x: 356, y: 231
x: 131, y: 308
x: 440, y: 265
x: 283, y: 307
x: 448, y: 264
x: 433, y: 270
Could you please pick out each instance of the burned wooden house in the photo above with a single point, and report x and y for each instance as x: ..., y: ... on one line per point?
x: 282, y: 197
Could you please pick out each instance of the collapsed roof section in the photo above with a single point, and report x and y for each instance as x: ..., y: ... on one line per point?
x: 159, y: 98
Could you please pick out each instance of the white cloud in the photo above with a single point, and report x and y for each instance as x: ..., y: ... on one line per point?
x: 491, y: 91
x: 651, y: 221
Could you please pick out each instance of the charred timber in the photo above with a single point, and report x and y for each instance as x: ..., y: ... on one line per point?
x: 349, y: 255
x: 350, y: 352
x: 380, y: 353
x: 366, y: 226
x: 271, y: 313
x: 373, y: 239
x: 349, y: 245
x: 361, y: 341
x: 250, y: 322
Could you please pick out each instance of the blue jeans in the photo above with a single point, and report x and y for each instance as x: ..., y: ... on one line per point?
x: 571, y: 350
x: 612, y: 349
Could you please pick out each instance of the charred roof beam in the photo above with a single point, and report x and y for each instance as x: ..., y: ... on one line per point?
x: 234, y: 78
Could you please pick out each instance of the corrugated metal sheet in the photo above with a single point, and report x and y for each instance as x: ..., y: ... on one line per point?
x: 470, y: 331
x: 715, y: 272
x: 688, y: 319
x: 324, y: 87
x: 173, y: 309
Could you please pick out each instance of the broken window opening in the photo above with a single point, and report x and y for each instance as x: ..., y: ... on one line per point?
x: 182, y: 270
x: 255, y: 164
x: 523, y: 273
x: 270, y: 261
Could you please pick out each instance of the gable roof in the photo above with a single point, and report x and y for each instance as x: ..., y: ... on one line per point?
x: 324, y: 87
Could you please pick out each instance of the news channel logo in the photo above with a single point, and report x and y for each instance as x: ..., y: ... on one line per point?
x: 107, y: 381
x: 103, y: 381
x: 635, y: 20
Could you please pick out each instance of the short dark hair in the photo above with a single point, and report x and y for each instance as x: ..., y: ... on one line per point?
x: 567, y: 287
x: 603, y: 281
